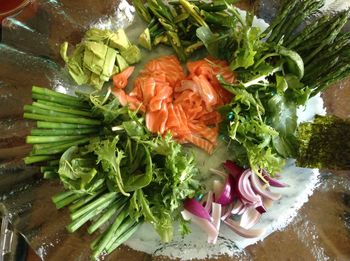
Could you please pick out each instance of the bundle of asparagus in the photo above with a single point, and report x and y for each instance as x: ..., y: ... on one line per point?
x: 62, y: 121
x: 321, y: 43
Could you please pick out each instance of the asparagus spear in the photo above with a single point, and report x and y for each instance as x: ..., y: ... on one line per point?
x: 109, y: 235
x: 108, y: 197
x: 107, y: 215
x: 54, y: 107
x: 130, y: 230
x: 76, y: 120
x: 85, y: 200
x: 58, y: 132
x: 60, y: 125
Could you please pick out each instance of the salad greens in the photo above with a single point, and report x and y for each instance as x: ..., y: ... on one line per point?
x: 100, y: 55
x: 324, y: 143
x: 120, y: 167
x: 278, y: 69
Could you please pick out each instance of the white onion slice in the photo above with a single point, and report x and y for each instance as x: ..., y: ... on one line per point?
x: 209, y: 201
x: 257, y: 186
x: 249, y: 218
x: 246, y: 233
x: 204, y: 224
x: 237, y: 207
x: 227, y: 212
x: 216, y: 215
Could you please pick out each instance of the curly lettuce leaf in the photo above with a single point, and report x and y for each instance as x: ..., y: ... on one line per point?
x: 110, y: 156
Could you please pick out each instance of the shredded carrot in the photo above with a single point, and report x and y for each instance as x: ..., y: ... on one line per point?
x: 184, y: 105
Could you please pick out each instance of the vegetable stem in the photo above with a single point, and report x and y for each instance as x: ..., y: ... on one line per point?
x: 109, y: 197
x: 130, y: 230
x: 59, y: 125
x: 107, y: 215
x: 36, y: 159
x: 40, y: 117
x: 66, y: 110
x: 68, y: 102
x: 77, y: 223
x: 109, y: 235
x: 58, y: 132
x: 60, y: 148
x: 47, y: 139
x: 85, y: 200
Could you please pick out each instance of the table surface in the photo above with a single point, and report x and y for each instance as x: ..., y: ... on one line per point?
x: 321, y: 230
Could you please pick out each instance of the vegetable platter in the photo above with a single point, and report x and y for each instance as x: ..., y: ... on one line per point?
x: 189, y: 133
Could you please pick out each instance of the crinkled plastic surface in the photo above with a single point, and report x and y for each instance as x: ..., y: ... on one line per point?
x: 29, y: 55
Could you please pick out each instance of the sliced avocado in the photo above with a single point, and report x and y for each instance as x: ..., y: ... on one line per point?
x: 119, y: 40
x: 122, y: 64
x: 94, y: 56
x: 63, y: 51
x: 97, y: 35
x: 75, y: 66
x: 132, y: 55
x: 96, y: 81
x: 145, y: 39
x: 115, y: 70
x: 108, y: 65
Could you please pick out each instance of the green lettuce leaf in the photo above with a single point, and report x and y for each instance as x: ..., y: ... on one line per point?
x: 282, y: 116
x: 77, y: 171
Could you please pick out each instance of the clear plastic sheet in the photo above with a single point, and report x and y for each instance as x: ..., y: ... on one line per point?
x: 29, y: 55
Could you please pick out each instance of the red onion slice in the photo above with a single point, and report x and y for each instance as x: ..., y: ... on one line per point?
x: 261, y: 208
x: 251, y: 233
x: 226, y: 195
x: 274, y: 182
x: 245, y: 189
x: 267, y: 202
x: 257, y: 186
x: 237, y: 207
x: 219, y: 173
x: 250, y: 218
x: 227, y: 213
x: 242, y: 210
x: 233, y: 168
x: 204, y: 224
x: 208, y: 203
x: 216, y: 215
x: 194, y: 207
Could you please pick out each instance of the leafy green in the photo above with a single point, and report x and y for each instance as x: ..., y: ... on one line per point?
x: 255, y: 130
x: 132, y: 54
x: 76, y: 171
x: 153, y: 174
x: 174, y: 174
x: 283, y: 118
x: 110, y: 157
x: 295, y: 64
x: 209, y: 39
x: 140, y: 180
